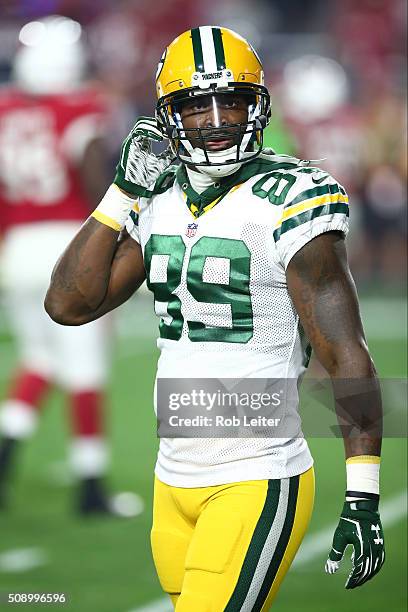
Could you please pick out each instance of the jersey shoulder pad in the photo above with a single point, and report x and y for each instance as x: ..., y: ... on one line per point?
x: 309, y: 201
x: 314, y: 195
x: 314, y: 203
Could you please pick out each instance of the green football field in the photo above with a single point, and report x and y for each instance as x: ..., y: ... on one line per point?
x: 104, y: 565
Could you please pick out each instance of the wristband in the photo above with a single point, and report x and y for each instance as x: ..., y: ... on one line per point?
x: 363, y: 475
x: 114, y: 208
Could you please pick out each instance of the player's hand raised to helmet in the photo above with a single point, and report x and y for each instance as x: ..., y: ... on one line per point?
x: 138, y: 166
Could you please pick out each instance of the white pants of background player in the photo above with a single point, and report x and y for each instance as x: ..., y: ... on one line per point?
x: 74, y: 358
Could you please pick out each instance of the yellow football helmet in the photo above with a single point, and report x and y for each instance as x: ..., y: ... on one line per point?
x: 207, y: 61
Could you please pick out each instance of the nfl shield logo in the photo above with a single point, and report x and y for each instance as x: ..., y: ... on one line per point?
x: 191, y: 230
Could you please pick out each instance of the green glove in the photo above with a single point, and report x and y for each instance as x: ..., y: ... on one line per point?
x: 360, y: 526
x: 139, y: 168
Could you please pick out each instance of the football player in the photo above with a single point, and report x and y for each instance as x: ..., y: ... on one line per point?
x: 244, y: 252
x: 52, y: 173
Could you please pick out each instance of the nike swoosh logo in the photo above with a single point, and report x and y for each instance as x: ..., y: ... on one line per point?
x: 320, y: 180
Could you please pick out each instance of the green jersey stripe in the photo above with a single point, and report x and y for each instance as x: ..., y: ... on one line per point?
x: 308, y: 215
x: 219, y: 48
x: 317, y: 191
x: 197, y: 49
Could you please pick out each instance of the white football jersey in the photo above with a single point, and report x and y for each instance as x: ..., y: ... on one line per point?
x: 216, y: 263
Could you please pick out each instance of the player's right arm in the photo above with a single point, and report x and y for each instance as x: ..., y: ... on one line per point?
x: 95, y: 274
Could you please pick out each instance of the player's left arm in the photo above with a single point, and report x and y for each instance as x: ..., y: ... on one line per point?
x: 323, y: 292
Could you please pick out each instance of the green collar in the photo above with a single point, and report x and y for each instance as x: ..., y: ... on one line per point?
x: 221, y: 187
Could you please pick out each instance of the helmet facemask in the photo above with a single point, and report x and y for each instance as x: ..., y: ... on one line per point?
x: 198, y: 146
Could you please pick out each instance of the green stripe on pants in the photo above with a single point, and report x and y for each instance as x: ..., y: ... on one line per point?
x: 281, y: 546
x: 256, y: 546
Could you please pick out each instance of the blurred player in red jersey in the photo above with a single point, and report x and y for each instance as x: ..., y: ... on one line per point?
x: 51, y: 175
x: 315, y: 102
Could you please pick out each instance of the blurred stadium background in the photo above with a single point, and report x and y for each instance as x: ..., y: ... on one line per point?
x: 354, y: 116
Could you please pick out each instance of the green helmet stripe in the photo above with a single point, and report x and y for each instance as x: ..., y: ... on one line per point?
x: 197, y: 49
x: 219, y: 48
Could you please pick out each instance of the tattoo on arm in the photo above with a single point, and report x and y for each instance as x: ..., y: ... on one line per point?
x: 96, y: 273
x: 68, y: 271
x: 324, y: 295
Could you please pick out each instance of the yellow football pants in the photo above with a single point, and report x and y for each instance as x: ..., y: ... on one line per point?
x: 227, y: 548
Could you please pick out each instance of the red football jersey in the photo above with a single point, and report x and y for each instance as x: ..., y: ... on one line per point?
x: 42, y: 141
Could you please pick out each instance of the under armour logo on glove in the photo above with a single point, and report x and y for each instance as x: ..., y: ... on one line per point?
x: 357, y: 522
x: 377, y: 530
